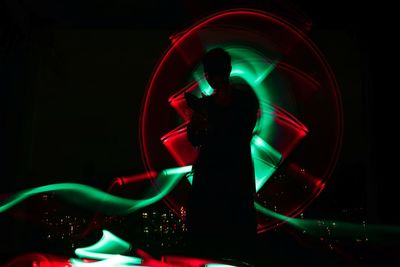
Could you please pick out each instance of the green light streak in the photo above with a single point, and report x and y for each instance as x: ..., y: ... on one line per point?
x: 92, y: 198
x: 264, y: 75
x: 190, y: 177
x: 254, y: 68
x: 178, y: 170
x: 338, y: 229
x: 275, y: 215
x: 108, y: 244
x: 107, y: 251
x: 266, y: 160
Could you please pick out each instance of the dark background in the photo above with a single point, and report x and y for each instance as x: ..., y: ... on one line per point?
x: 72, y: 78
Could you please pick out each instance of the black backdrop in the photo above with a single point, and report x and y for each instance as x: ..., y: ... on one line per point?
x: 73, y: 75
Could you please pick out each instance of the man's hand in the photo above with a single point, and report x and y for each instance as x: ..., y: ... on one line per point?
x: 194, y: 102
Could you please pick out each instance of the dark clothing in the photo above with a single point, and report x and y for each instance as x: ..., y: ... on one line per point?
x: 221, y: 214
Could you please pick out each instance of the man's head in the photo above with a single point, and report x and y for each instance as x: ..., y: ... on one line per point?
x: 217, y: 67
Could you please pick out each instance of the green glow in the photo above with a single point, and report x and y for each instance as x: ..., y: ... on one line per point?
x: 107, y: 251
x: 264, y: 75
x: 190, y: 177
x: 275, y: 215
x: 108, y: 244
x: 253, y: 67
x: 178, y: 170
x: 338, y: 229
x: 266, y: 160
x: 92, y: 198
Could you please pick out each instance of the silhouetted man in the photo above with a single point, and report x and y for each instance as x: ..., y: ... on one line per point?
x: 221, y: 215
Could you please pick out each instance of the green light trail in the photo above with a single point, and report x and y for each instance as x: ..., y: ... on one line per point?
x: 107, y: 251
x: 108, y: 244
x: 92, y: 198
x: 253, y: 67
x: 110, y: 250
x: 338, y: 229
x: 266, y: 160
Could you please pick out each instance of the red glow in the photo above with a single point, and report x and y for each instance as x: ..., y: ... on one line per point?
x: 178, y: 102
x: 314, y: 181
x: 187, y: 262
x: 39, y: 260
x: 136, y: 178
x: 301, y: 65
x: 179, y: 146
x: 288, y: 129
x: 175, y: 52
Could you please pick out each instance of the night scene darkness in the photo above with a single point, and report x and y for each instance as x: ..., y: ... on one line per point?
x: 120, y: 137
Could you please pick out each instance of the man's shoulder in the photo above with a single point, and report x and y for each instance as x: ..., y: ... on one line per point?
x: 246, y: 96
x: 244, y: 91
x: 241, y: 87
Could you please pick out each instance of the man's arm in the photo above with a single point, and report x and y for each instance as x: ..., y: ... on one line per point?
x: 197, y: 127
